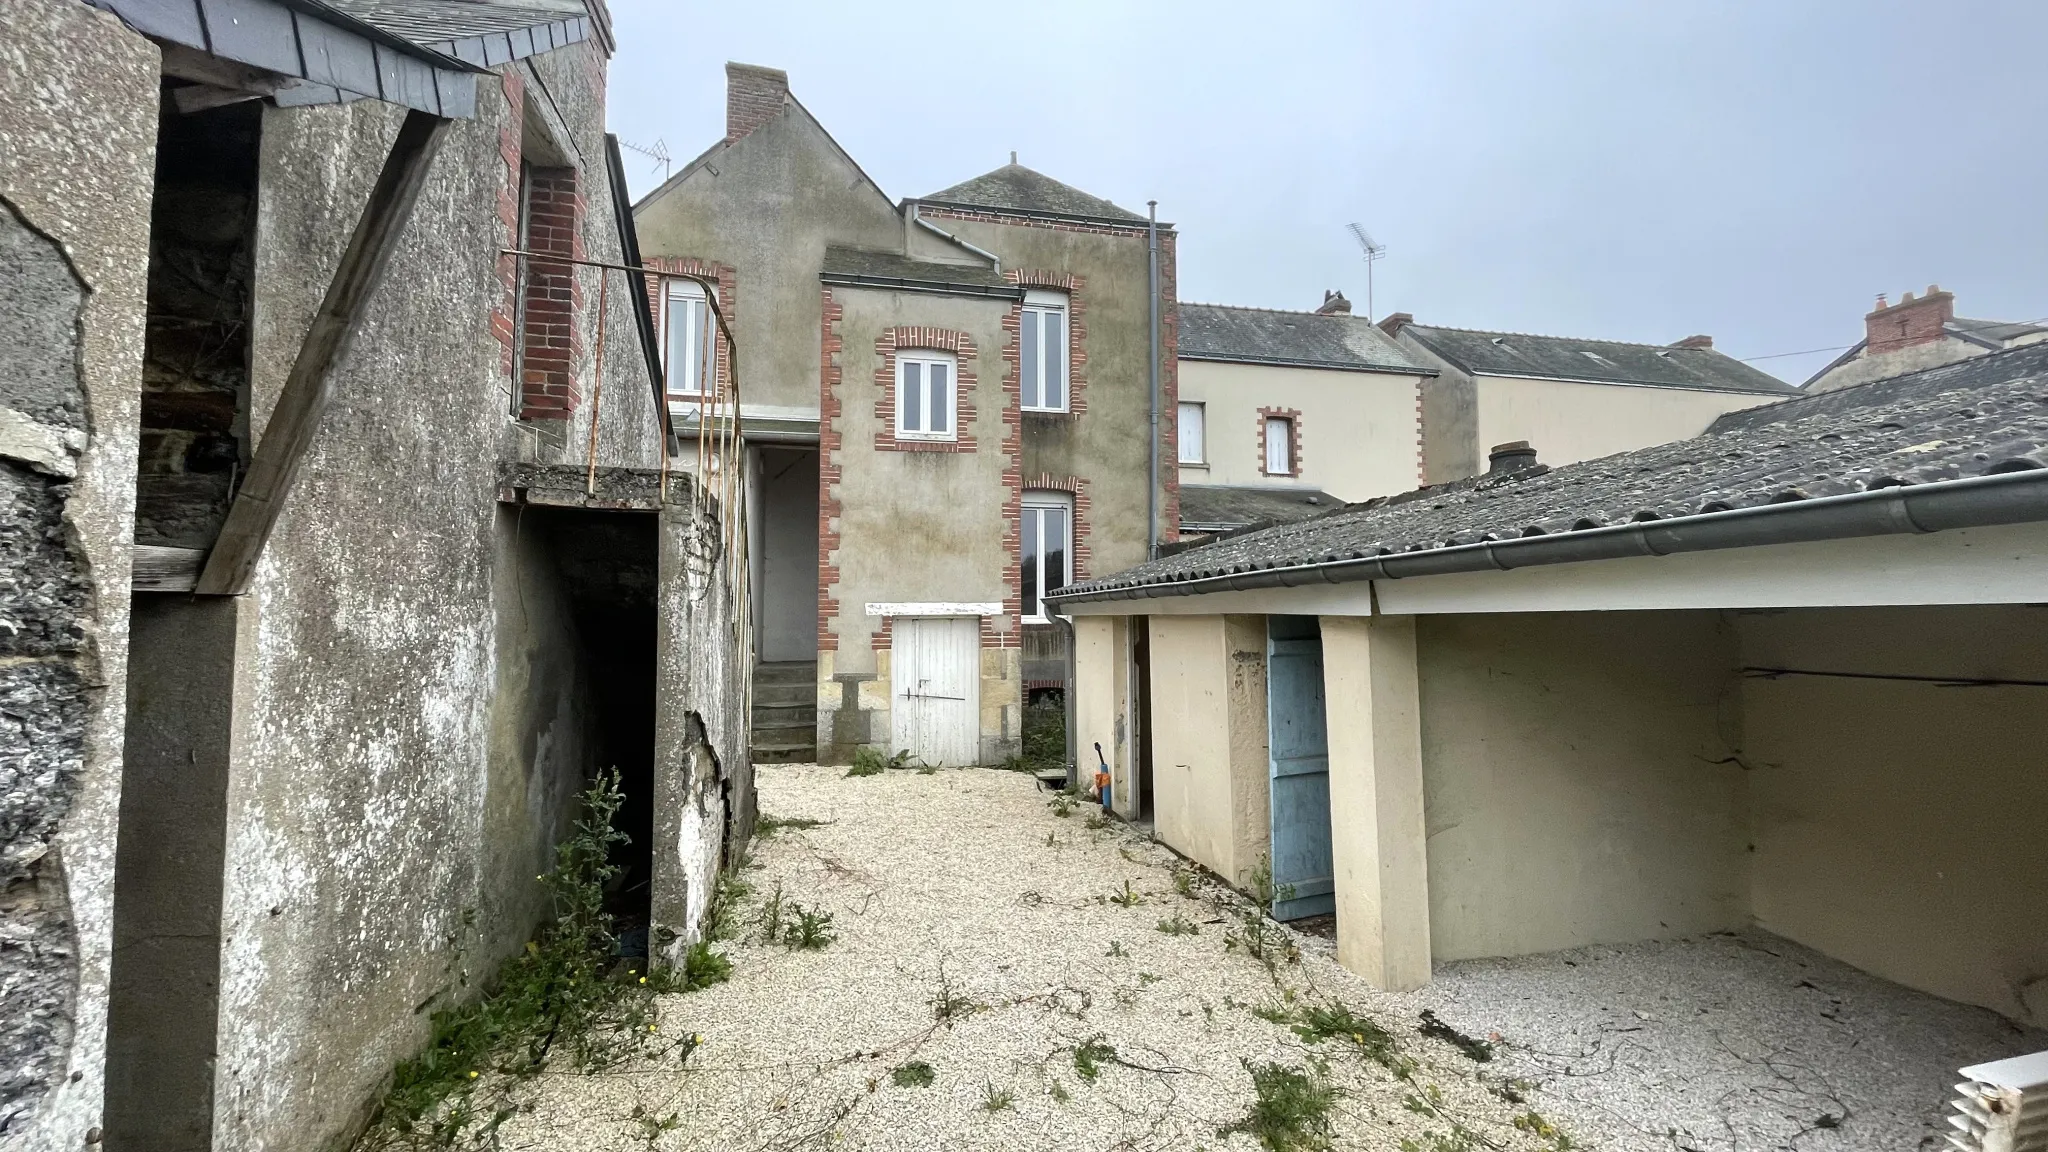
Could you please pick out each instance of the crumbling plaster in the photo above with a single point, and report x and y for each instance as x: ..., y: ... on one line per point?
x: 78, y: 107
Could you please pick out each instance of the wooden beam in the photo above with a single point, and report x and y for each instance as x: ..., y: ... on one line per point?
x: 310, y: 387
x: 162, y: 569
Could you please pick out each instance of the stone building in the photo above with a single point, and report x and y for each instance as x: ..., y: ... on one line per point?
x: 339, y: 550
x: 947, y: 406
x: 1918, y: 333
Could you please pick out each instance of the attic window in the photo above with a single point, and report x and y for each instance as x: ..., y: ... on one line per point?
x: 1595, y: 356
x: 1500, y: 340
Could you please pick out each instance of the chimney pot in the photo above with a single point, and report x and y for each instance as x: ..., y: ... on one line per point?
x: 1334, y: 303
x: 1393, y: 324
x: 753, y: 96
x: 1513, y: 456
x: 1912, y: 321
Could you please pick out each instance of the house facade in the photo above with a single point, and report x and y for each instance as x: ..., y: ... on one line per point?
x: 1285, y: 415
x: 1568, y: 399
x: 1784, y: 675
x: 1918, y: 333
x: 946, y: 407
x: 329, y: 512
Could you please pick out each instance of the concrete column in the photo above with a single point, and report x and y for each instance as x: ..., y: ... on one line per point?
x: 1379, y: 844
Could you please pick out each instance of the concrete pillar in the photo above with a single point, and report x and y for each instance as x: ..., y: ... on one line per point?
x: 1379, y: 844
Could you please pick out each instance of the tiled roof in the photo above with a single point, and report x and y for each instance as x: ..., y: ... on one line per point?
x: 1220, y: 507
x: 1974, y: 418
x: 890, y: 269
x: 1606, y: 361
x: 1309, y: 339
x: 1017, y: 187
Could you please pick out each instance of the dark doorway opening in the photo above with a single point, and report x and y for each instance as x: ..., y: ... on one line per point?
x: 607, y: 566
x: 1141, y: 657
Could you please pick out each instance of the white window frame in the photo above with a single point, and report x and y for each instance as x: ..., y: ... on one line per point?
x: 927, y: 392
x: 1051, y: 362
x: 1285, y: 446
x: 1180, y: 425
x: 1038, y: 501
x: 699, y: 358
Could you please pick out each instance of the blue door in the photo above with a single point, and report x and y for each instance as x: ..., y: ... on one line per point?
x: 1299, y: 759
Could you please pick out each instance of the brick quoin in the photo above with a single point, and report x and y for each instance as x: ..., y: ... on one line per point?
x: 727, y: 279
x: 552, y: 341
x: 907, y: 339
x: 1293, y: 416
x: 1077, y: 332
x: 831, y: 344
x: 504, y: 317
x: 1077, y: 487
x: 1169, y: 386
x: 1012, y: 449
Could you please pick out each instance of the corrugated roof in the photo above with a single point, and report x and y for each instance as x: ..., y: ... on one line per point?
x: 1604, y: 361
x: 1974, y: 418
x: 1016, y: 187
x: 1309, y: 339
x: 1218, y: 507
x: 894, y: 270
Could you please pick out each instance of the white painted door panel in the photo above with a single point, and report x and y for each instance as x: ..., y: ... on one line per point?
x: 935, y: 677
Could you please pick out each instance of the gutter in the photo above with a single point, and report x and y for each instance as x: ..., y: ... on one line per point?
x: 934, y: 228
x: 1123, y: 222
x: 1975, y: 502
x: 1290, y: 362
x: 935, y: 287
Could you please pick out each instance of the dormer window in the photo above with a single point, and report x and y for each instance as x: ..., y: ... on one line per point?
x: 1042, y: 351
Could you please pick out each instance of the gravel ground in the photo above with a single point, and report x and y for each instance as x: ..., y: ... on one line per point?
x: 964, y: 888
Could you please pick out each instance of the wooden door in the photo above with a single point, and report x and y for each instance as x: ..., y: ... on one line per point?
x: 1299, y: 758
x: 935, y: 677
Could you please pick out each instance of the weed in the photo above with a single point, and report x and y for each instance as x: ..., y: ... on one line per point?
x: 1471, y: 1046
x: 914, y: 1074
x: 1184, y: 882
x: 948, y: 1005
x: 1098, y: 822
x: 1208, y: 1012
x: 652, y: 1127
x: 1292, y: 1110
x: 1059, y: 1092
x: 1149, y: 978
x: 1051, y: 841
x: 994, y: 1099
x: 927, y: 769
x: 1090, y: 1055
x: 771, y: 917
x: 768, y: 826
x: 809, y: 929
x: 1274, y: 1013
x: 1062, y: 804
x: 1116, y: 948
x: 1045, y: 737
x: 722, y: 921
x: 1334, y: 1021
x: 1458, y: 1139
x: 1533, y: 1123
x: 1130, y: 897
x: 700, y: 969
x: 1178, y: 925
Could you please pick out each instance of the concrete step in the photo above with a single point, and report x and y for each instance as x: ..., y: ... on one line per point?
x: 784, y: 715
x: 786, y: 735
x: 786, y: 672
x: 789, y: 754
x: 785, y: 695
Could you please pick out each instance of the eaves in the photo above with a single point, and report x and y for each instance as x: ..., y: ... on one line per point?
x: 931, y: 287
x: 1138, y: 225
x: 1289, y: 362
x: 1789, y: 392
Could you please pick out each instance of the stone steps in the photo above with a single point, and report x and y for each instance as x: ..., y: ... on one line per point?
x: 785, y: 720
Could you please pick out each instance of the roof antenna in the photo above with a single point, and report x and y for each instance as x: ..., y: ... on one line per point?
x: 657, y: 153
x: 1372, y: 252
x: 1013, y: 156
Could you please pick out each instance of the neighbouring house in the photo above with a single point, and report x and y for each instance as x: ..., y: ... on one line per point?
x: 946, y: 410
x: 1284, y: 415
x: 1786, y: 674
x: 339, y: 551
x: 1919, y: 333
x: 1568, y: 399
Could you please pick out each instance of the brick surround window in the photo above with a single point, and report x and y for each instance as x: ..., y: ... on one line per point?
x: 1280, y: 441
x: 1043, y: 348
x: 551, y: 298
x: 686, y: 336
x: 926, y: 403
x: 1046, y: 560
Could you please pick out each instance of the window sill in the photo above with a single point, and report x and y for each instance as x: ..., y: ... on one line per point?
x: 919, y: 438
x: 1202, y: 464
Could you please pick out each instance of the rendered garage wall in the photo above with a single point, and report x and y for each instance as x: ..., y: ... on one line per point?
x: 1209, y: 770
x: 1577, y: 780
x: 1899, y: 824
x: 78, y: 110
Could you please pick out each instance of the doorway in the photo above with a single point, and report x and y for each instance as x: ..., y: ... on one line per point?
x: 1299, y: 769
x: 935, y: 678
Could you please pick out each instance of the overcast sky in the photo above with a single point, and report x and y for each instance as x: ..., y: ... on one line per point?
x: 1629, y: 171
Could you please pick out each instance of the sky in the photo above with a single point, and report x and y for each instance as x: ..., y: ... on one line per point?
x: 1757, y: 172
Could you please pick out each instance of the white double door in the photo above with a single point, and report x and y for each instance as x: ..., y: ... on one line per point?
x: 935, y: 678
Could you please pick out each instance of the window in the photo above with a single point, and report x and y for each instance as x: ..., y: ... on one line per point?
x: 1043, y: 352
x: 1279, y: 446
x: 1048, y: 548
x: 1192, y: 448
x: 924, y: 396
x: 687, y: 320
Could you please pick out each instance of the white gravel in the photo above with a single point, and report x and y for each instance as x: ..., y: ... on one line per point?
x: 965, y: 880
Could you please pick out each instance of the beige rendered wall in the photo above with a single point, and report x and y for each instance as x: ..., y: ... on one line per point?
x: 1102, y: 705
x: 1898, y: 823
x: 1209, y: 739
x: 1361, y: 433
x: 1578, y: 780
x: 1567, y: 422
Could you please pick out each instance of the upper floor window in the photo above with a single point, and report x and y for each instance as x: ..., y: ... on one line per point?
x: 1279, y: 446
x: 686, y: 322
x: 1192, y: 434
x: 1047, y: 548
x: 1043, y: 355
x: 925, y: 403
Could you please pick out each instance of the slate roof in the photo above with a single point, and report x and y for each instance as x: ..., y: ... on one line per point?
x: 1991, y: 333
x: 1307, y: 339
x: 892, y: 270
x: 1974, y: 418
x: 1605, y: 361
x: 481, y: 32
x: 1018, y: 188
x: 1218, y: 507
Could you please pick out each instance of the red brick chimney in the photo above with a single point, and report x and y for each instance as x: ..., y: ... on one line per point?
x: 753, y: 96
x: 1393, y: 324
x: 1334, y: 303
x: 1694, y: 342
x: 1909, y: 322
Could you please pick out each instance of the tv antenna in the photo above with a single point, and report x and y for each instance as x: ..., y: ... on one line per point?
x: 657, y: 153
x: 1372, y: 251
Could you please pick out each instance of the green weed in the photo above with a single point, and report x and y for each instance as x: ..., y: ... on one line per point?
x: 1089, y: 1057
x: 1471, y: 1046
x: 994, y: 1099
x: 1178, y: 925
x: 1130, y: 897
x: 809, y: 929
x: 914, y: 1074
x: 768, y: 826
x: 1291, y: 1112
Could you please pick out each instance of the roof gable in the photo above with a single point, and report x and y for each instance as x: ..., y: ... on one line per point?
x: 1018, y: 188
x: 808, y: 124
x: 1302, y: 339
x: 1600, y: 361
